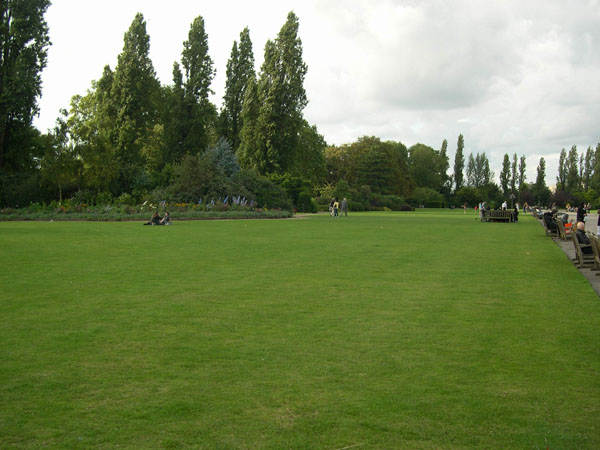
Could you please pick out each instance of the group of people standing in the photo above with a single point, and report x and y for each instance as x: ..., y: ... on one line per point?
x: 335, y: 207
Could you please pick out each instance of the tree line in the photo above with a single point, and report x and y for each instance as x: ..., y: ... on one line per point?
x: 130, y: 137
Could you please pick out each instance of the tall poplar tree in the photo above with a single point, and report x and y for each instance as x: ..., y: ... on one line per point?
x: 470, y: 172
x: 513, y: 174
x: 588, y: 170
x: 445, y: 165
x: 595, y: 179
x: 581, y: 170
x: 561, y: 179
x: 240, y: 68
x: 542, y: 193
x: 248, y: 151
x: 174, y: 118
x: 281, y: 99
x: 24, y: 45
x: 540, y: 180
x: 198, y: 73
x: 572, y: 182
x: 459, y: 163
x: 522, y: 175
x: 135, y: 92
x: 505, y: 175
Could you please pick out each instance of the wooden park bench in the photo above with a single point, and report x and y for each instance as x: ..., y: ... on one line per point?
x: 582, y: 259
x: 564, y: 232
x: 498, y: 216
x: 595, y: 240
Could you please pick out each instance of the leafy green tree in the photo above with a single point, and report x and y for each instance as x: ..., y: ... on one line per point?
x: 60, y: 167
x: 422, y: 195
x: 343, y: 163
x: 522, y: 168
x: 572, y: 184
x: 488, y: 175
x: 505, y: 175
x: 91, y: 132
x: 310, y: 159
x: 281, y: 100
x: 427, y: 166
x: 240, y: 69
x: 248, y: 150
x: 541, y: 191
x: 470, y: 172
x: 540, y: 180
x: 384, y: 168
x: 491, y: 194
x: 513, y: 173
x: 581, y: 170
x: 199, y: 114
x: 468, y: 195
x: 24, y: 45
x: 381, y: 167
x: 174, y: 118
x: 459, y: 163
x: 595, y: 178
x: 196, y: 177
x: 478, y: 170
x: 136, y: 94
x: 561, y: 179
x: 588, y: 170
x: 446, y: 179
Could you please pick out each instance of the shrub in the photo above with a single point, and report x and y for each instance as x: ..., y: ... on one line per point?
x: 434, y: 204
x: 125, y: 199
x: 306, y: 203
x: 393, y: 202
x: 356, y: 206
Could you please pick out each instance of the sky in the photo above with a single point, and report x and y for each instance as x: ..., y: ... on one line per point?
x: 511, y: 76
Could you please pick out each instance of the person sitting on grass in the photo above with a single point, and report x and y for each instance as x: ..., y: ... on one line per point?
x: 156, y: 219
x: 584, y: 240
x: 166, y: 220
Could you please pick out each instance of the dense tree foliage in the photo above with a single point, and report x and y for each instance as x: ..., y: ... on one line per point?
x: 199, y: 114
x: 478, y: 170
x: 23, y: 53
x: 135, y: 94
x: 428, y: 167
x: 129, y: 137
x: 240, y: 70
x: 505, y: 175
x: 272, y: 145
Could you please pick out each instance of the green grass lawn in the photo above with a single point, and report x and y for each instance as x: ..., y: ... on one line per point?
x: 380, y: 330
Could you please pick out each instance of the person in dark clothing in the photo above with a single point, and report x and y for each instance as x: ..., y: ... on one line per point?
x: 581, y: 213
x: 155, y: 219
x: 584, y: 240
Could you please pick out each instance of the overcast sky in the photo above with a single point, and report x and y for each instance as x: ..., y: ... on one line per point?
x: 511, y: 76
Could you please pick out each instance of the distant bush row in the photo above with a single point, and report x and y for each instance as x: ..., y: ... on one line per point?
x: 109, y: 213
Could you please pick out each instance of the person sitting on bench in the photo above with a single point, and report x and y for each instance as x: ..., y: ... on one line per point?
x: 584, y: 240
